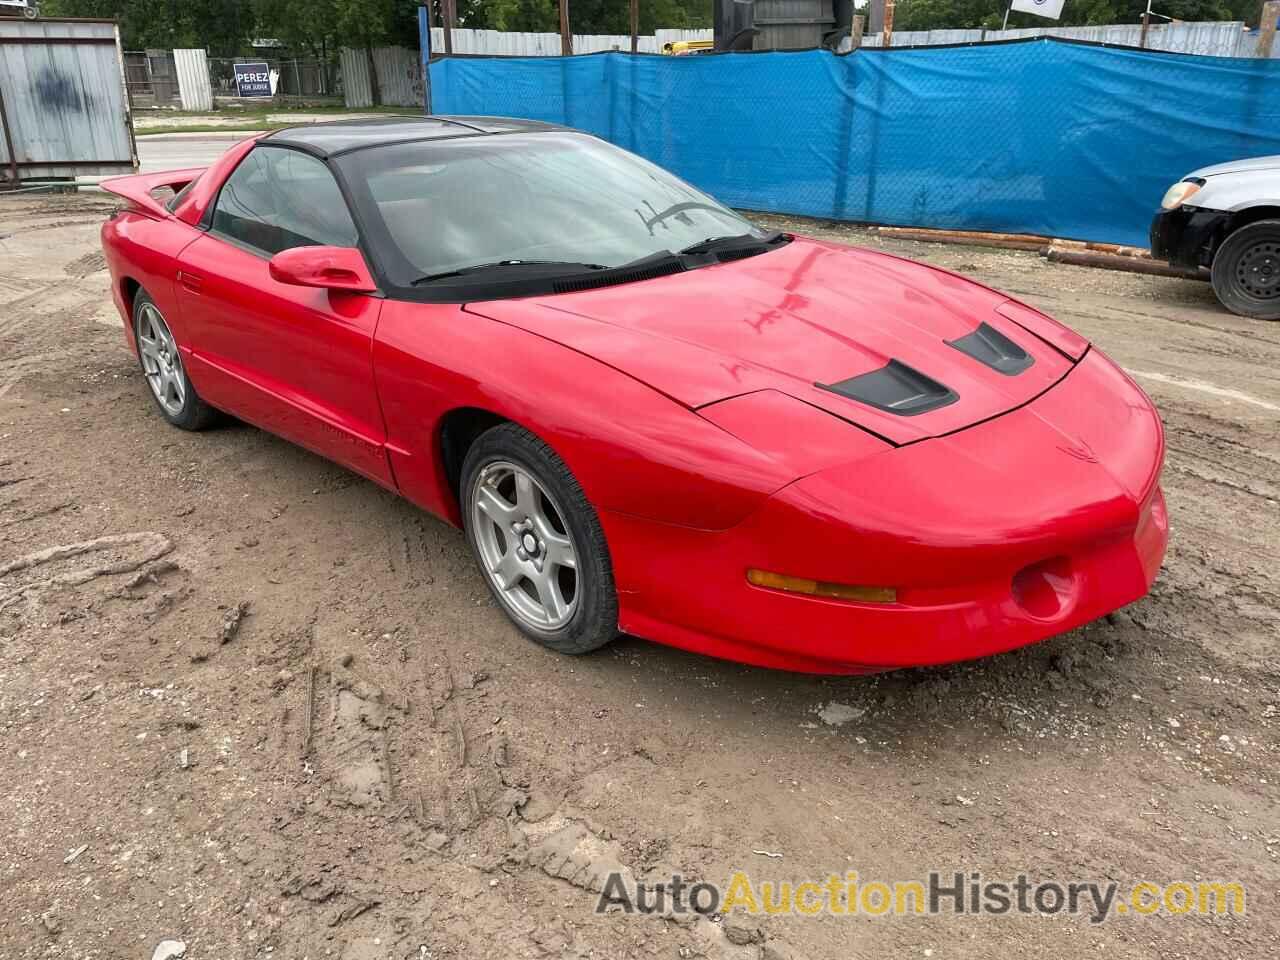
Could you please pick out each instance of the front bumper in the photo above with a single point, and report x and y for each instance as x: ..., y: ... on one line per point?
x: 1187, y: 236
x: 995, y: 537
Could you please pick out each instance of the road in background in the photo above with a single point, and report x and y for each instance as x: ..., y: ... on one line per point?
x: 172, y: 151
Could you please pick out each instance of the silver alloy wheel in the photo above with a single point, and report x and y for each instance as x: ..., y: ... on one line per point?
x: 160, y: 361
x: 524, y: 545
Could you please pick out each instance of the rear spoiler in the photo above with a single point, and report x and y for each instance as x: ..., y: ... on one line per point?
x: 138, y: 189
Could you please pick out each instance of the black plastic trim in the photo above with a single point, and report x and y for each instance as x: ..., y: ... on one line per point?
x: 895, y: 388
x: 610, y: 278
x: 1185, y: 236
x: 993, y: 349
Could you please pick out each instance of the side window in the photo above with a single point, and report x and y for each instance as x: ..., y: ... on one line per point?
x: 278, y: 199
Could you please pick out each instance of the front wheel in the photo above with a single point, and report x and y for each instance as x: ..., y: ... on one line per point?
x: 538, y: 541
x: 1246, y: 271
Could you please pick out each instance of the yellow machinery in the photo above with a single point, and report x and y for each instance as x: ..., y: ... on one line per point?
x: 683, y: 48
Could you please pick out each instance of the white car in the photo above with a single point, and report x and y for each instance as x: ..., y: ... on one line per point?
x: 1227, y: 218
x: 20, y: 8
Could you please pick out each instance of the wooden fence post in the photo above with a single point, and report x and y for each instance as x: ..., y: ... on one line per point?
x: 855, y: 31
x: 887, y: 36
x: 635, y: 26
x: 566, y: 38
x: 1267, y: 27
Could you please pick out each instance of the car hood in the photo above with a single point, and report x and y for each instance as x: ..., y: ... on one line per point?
x: 800, y: 317
x: 1250, y: 165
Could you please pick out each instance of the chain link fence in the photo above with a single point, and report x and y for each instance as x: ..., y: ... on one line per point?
x: 152, y: 79
x: 294, y: 81
x: 1045, y: 136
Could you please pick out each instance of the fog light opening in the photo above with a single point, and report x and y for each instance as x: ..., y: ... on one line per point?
x: 821, y: 588
x: 1045, y: 589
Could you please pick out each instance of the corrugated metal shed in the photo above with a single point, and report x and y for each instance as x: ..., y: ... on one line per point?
x: 792, y: 24
x: 65, y: 106
x: 193, y: 79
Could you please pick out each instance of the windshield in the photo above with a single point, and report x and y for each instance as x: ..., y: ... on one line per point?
x: 450, y: 205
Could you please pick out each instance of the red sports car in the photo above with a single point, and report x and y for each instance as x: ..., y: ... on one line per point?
x: 648, y: 414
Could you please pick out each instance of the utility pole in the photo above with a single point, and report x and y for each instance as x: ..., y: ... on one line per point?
x: 635, y: 26
x: 446, y: 14
x: 424, y: 46
x: 566, y: 38
x: 1267, y: 27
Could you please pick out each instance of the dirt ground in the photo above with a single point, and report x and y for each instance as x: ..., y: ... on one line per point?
x: 275, y: 714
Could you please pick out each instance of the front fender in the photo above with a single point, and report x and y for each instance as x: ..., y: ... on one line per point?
x: 634, y: 450
x: 1232, y: 192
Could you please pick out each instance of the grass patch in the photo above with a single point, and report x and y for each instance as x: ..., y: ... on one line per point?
x: 210, y: 128
x: 266, y: 110
x: 248, y: 124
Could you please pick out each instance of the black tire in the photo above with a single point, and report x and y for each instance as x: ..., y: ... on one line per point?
x: 594, y: 621
x: 1246, y: 271
x: 194, y: 413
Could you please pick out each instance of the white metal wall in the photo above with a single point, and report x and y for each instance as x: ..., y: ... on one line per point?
x: 194, y: 88
x: 1211, y: 38
x: 357, y: 90
x: 399, y: 76
x: 500, y: 43
x: 62, y: 82
x: 398, y: 73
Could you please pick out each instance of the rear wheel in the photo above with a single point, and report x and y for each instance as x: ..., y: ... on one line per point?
x: 1246, y: 271
x: 538, y: 541
x: 162, y: 367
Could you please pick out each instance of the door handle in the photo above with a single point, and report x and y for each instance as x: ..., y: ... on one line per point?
x: 189, y: 281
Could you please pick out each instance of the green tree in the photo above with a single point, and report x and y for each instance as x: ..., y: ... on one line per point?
x: 585, y: 16
x: 221, y: 26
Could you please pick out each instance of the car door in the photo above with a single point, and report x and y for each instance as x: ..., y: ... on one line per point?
x: 294, y: 360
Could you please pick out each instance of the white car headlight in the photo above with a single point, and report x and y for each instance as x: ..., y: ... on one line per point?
x: 1180, y: 193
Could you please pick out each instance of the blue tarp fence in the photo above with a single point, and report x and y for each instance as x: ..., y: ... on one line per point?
x: 1037, y: 136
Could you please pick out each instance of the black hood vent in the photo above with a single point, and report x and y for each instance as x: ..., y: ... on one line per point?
x: 992, y: 348
x: 895, y: 388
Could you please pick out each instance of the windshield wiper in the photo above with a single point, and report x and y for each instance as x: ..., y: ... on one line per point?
x: 742, y: 241
x: 508, y: 265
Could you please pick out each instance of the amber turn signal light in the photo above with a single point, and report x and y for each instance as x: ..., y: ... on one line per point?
x: 819, y: 588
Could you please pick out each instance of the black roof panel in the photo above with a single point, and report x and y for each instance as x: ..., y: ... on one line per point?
x: 328, y: 139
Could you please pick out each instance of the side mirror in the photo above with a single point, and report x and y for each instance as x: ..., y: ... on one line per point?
x: 332, y: 268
